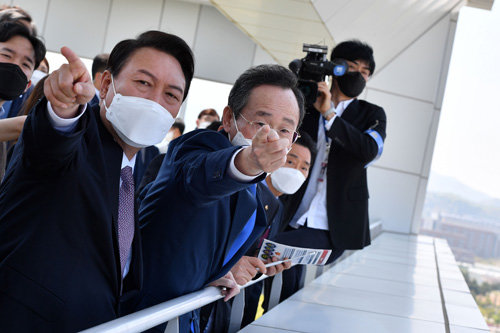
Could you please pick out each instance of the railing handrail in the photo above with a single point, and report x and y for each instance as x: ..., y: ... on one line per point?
x: 161, y: 313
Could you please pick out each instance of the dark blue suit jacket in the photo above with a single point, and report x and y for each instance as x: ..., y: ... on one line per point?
x: 59, y: 261
x: 191, y: 215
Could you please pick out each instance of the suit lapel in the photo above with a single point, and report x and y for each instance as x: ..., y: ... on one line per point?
x: 244, y: 208
x: 113, y: 155
x: 350, y: 113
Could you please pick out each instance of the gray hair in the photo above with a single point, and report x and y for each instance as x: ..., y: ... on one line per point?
x: 274, y: 75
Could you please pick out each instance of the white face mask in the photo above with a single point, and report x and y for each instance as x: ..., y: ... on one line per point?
x: 239, y: 139
x: 204, y: 124
x: 287, y: 180
x: 139, y: 122
x: 37, y: 76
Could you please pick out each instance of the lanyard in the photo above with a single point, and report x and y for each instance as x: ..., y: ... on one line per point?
x: 324, y: 164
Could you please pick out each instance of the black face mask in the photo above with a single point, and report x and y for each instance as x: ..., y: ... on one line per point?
x: 351, y: 84
x: 12, y: 81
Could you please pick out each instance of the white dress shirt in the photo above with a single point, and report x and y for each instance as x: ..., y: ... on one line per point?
x: 67, y: 125
x: 237, y: 174
x: 313, y: 205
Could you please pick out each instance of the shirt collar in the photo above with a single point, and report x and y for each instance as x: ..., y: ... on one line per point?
x: 342, y: 106
x: 127, y: 162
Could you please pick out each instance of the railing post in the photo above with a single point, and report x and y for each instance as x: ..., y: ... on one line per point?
x: 237, y: 310
x: 172, y: 326
x: 275, y: 293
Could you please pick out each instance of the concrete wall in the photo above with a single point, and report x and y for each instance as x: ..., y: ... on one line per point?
x: 89, y: 27
x: 410, y: 87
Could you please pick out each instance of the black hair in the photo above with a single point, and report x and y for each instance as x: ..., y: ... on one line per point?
x: 161, y: 41
x: 214, y: 126
x: 9, y: 30
x: 99, y: 64
x: 208, y: 112
x: 353, y: 50
x: 305, y: 140
x: 179, y: 125
x: 274, y: 75
x: 16, y: 14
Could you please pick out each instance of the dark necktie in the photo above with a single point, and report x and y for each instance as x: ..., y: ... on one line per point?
x: 244, y: 233
x: 125, y: 215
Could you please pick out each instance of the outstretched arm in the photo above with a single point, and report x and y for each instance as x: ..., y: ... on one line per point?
x: 67, y: 90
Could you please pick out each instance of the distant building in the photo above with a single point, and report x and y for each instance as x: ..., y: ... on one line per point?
x: 467, y: 237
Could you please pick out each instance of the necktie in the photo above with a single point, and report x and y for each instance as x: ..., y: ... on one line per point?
x: 244, y: 233
x: 125, y: 215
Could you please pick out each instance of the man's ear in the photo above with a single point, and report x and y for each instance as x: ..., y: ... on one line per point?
x: 227, y: 118
x: 105, y: 84
x: 98, y: 80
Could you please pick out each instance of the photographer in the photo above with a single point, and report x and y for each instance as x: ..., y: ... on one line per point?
x: 331, y: 210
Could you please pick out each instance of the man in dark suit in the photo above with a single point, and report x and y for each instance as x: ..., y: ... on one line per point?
x: 201, y: 214
x: 70, y: 252
x: 331, y: 210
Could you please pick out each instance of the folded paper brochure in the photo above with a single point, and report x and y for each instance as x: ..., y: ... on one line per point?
x: 299, y: 255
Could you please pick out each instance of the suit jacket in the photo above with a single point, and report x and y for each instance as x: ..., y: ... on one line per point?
x: 59, y: 260
x: 347, y: 191
x: 190, y: 216
x: 274, y: 213
x: 144, y: 157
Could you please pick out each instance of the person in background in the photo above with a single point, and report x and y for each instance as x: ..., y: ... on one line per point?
x: 70, y: 251
x: 31, y: 101
x: 206, y: 117
x: 215, y: 126
x: 15, y: 14
x: 331, y: 212
x: 210, y: 178
x: 99, y: 65
x: 39, y: 73
x: 176, y: 131
x: 20, y: 53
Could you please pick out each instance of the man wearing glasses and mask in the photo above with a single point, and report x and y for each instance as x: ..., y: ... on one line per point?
x: 210, y: 178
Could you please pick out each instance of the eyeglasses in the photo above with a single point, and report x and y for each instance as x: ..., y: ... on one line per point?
x: 284, y: 133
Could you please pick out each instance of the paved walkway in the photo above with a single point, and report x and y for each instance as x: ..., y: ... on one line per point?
x: 400, y: 283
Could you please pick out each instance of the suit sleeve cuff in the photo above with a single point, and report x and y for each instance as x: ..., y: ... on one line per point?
x: 329, y: 123
x: 62, y: 124
x: 237, y: 174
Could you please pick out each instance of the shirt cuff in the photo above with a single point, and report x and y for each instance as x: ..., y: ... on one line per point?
x: 237, y: 174
x: 62, y: 124
x: 329, y: 123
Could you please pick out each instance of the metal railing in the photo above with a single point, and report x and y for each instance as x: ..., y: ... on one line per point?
x: 170, y: 311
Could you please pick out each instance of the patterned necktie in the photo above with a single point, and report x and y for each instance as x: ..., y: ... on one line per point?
x: 244, y: 233
x: 125, y: 215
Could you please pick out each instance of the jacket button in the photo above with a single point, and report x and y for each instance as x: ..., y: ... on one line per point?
x: 266, y: 207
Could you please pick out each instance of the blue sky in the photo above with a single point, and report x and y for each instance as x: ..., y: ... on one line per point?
x: 468, y: 139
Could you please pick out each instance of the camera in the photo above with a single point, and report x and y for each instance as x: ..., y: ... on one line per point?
x: 313, y: 68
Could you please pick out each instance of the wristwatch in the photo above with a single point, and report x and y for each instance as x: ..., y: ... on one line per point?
x: 330, y: 111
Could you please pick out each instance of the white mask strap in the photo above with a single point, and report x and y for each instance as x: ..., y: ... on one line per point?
x: 113, y: 84
x: 114, y: 92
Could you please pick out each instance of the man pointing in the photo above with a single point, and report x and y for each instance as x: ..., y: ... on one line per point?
x: 201, y: 214
x: 70, y: 255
